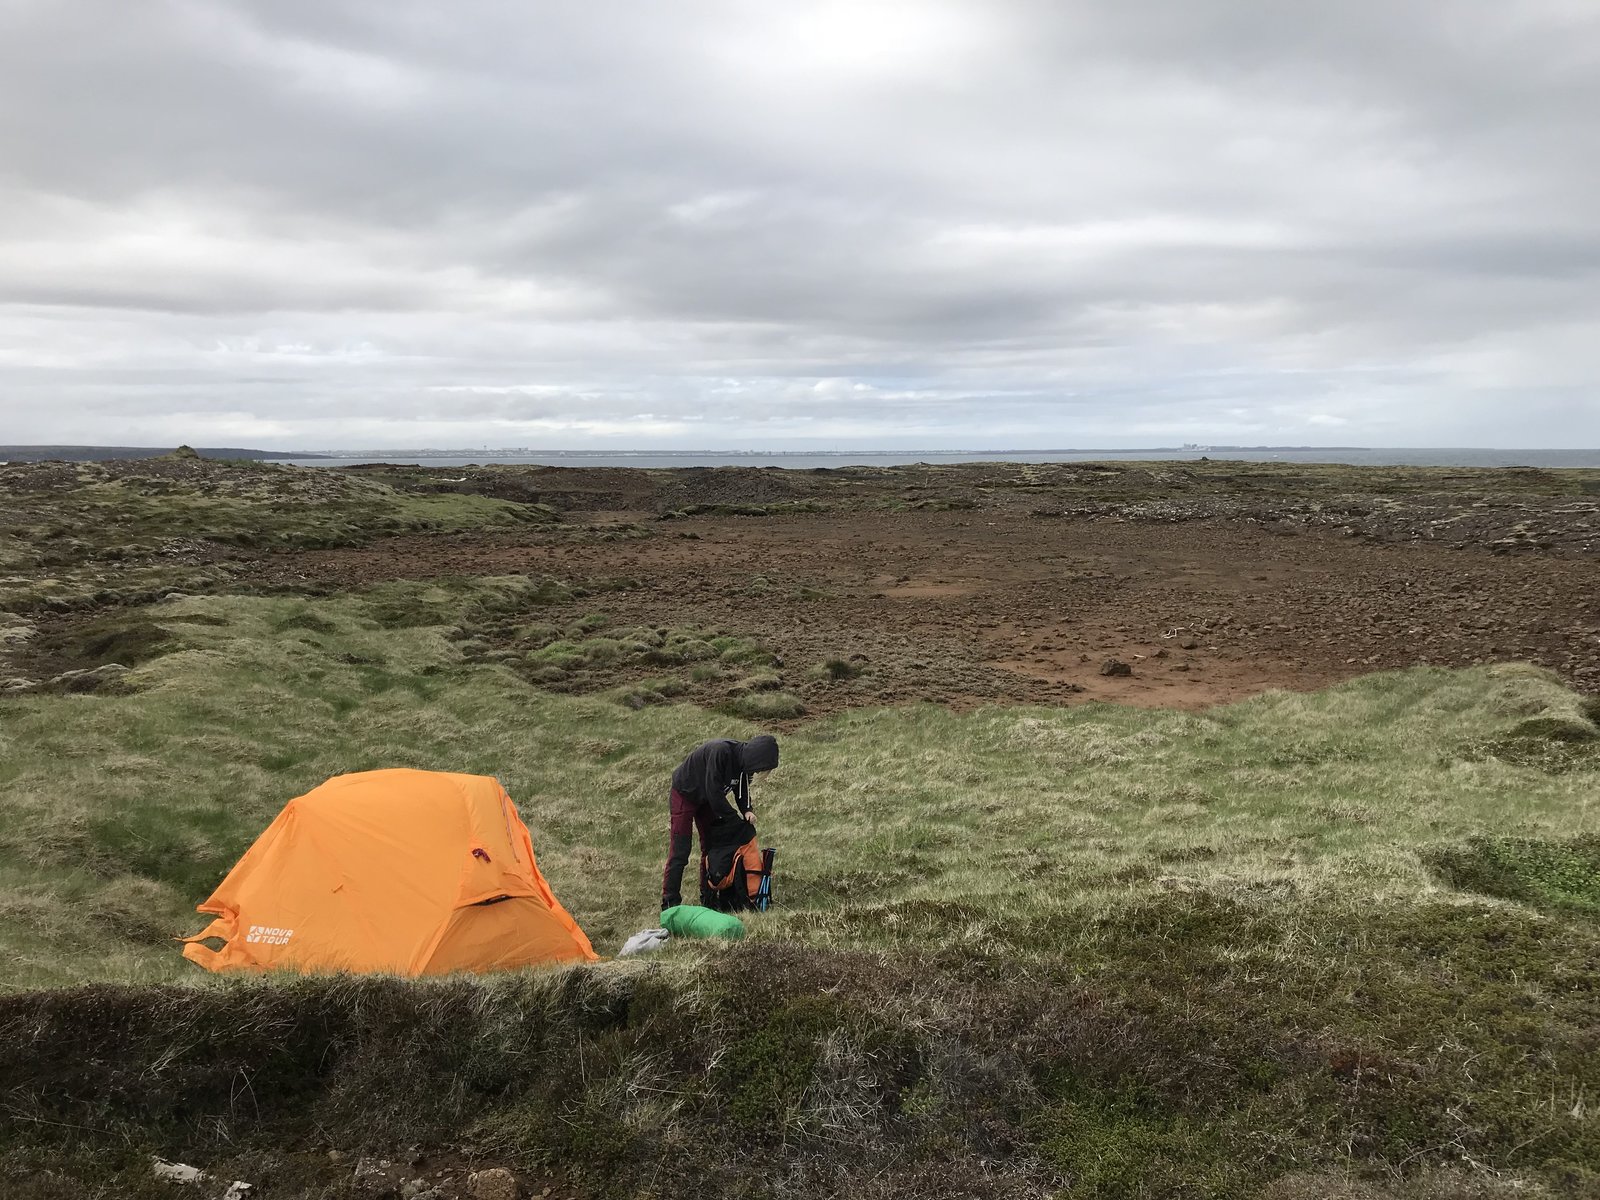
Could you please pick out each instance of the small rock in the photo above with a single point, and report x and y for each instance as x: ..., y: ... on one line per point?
x: 372, y: 1174
x: 1115, y: 666
x: 176, y: 1172
x: 496, y: 1183
x: 1189, y: 644
x: 1163, y: 653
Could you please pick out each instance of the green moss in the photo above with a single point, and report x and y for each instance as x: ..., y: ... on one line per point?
x: 1108, y: 1148
x: 765, y: 1070
x: 1542, y: 872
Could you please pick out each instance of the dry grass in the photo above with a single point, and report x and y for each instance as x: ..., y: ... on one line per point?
x: 122, y: 811
x: 1125, y: 952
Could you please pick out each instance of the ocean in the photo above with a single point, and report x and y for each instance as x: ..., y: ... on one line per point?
x: 811, y: 460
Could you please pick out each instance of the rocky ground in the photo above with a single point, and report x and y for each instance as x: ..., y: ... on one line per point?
x: 1213, y: 1029
x: 974, y: 607
x: 1177, y: 585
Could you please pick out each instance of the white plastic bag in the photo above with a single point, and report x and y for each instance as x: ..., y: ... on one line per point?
x: 643, y: 941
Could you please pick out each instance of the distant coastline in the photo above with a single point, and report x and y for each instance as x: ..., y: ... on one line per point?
x: 803, y: 460
x: 30, y: 454
x: 832, y: 459
x: 517, y: 453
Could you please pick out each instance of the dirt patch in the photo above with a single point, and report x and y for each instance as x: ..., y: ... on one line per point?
x: 958, y: 585
x: 966, y: 608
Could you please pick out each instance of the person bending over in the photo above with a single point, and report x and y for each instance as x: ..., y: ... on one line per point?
x: 711, y: 793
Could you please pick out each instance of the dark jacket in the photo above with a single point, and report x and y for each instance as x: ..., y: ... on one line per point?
x: 717, y: 768
x: 711, y: 792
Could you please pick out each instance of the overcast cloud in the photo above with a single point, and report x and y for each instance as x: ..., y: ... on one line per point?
x: 340, y: 223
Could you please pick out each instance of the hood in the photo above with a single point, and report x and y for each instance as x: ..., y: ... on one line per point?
x: 760, y: 753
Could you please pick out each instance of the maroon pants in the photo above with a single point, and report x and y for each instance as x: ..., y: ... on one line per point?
x: 686, y: 818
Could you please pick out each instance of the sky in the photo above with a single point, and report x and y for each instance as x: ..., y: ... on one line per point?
x: 395, y: 224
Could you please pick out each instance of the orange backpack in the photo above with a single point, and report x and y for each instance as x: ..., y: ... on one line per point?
x: 733, y: 878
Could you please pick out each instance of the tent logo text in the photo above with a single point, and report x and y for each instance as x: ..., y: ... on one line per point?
x: 269, y: 935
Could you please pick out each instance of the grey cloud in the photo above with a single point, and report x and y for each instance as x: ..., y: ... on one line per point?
x: 340, y: 220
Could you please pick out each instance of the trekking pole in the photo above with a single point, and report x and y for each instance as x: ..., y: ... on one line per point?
x: 764, y: 892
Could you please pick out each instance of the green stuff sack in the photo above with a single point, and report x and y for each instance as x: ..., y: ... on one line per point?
x: 695, y: 921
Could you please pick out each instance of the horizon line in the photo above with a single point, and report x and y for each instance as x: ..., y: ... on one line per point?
x: 455, y: 451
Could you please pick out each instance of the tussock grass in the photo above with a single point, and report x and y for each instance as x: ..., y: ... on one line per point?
x: 1128, y: 952
x: 1008, y: 812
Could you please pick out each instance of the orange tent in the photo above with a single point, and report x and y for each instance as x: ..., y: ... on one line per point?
x: 411, y: 872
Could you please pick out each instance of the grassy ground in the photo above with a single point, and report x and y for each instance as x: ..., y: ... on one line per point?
x: 1303, y: 944
x: 137, y: 803
x: 73, y: 534
x: 1340, y: 944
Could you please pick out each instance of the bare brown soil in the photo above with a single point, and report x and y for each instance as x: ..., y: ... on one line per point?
x: 961, y: 585
x: 1003, y: 605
